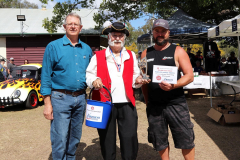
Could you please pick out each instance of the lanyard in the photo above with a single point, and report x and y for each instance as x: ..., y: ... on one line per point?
x: 114, y: 59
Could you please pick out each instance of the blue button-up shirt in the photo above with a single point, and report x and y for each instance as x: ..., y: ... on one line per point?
x: 64, y: 66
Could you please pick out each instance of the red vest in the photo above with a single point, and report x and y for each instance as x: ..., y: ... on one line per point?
x: 102, y: 72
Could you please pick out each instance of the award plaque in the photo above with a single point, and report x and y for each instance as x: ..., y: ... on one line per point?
x: 143, y: 67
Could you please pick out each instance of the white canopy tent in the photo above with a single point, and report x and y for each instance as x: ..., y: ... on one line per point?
x: 227, y: 28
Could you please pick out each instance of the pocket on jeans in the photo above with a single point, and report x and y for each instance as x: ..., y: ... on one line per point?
x: 57, y: 95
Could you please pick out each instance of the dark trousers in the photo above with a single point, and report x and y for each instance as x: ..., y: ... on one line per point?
x: 126, y: 116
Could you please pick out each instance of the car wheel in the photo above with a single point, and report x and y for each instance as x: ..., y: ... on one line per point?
x: 32, y: 100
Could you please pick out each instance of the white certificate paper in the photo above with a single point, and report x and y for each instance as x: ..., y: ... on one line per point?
x: 164, y: 73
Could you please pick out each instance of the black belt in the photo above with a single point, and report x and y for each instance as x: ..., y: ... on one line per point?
x: 74, y: 94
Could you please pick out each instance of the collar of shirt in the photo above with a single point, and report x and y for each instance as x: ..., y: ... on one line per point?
x: 66, y: 41
x: 124, y: 54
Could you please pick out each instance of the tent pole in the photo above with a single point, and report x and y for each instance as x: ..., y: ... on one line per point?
x: 203, y: 55
x: 238, y: 56
x: 210, y: 88
x: 151, y: 37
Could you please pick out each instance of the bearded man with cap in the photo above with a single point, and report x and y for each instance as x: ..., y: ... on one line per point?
x: 117, y: 69
x: 166, y: 103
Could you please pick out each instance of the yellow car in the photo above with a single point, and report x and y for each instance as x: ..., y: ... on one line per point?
x: 23, y: 87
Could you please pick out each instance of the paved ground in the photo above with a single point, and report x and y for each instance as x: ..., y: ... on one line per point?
x: 24, y: 135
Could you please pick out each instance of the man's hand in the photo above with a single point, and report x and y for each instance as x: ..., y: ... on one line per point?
x: 97, y: 84
x: 140, y: 80
x: 166, y: 86
x: 48, y: 110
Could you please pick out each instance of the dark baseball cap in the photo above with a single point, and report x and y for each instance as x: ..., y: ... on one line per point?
x: 3, y: 60
x: 160, y: 23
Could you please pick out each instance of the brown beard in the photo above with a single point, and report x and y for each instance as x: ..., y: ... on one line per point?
x: 160, y: 43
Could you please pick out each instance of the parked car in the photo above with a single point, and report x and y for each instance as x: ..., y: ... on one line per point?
x: 23, y: 87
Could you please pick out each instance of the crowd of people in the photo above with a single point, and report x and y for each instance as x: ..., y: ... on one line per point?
x: 7, y: 70
x: 223, y: 65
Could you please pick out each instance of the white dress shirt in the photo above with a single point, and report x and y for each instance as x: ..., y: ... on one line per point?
x: 117, y: 85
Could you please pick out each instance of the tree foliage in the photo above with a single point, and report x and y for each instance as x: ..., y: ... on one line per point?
x: 212, y: 11
x: 132, y: 37
x: 17, y: 4
x: 60, y: 11
x: 226, y: 49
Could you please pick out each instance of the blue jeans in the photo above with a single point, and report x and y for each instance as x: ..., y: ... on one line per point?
x: 66, y: 127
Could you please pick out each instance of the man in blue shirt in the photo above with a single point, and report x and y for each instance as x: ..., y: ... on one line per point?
x: 3, y: 69
x: 63, y: 85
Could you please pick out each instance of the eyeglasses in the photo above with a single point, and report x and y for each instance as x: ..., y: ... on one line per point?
x: 73, y: 25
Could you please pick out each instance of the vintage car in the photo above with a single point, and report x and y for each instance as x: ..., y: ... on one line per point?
x: 23, y: 87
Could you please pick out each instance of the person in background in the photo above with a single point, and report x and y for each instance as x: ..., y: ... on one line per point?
x: 211, y: 55
x: 232, y: 64
x: 26, y: 61
x: 3, y: 68
x: 199, y: 57
x: 10, y: 67
x: 198, y: 67
x: 63, y: 84
x: 191, y: 57
x: 223, y: 65
x: 166, y: 103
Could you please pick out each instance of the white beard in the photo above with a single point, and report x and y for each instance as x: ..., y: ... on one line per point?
x: 112, y: 43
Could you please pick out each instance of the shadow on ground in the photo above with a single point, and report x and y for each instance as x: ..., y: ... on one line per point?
x: 93, y: 152
x: 225, y: 137
x: 17, y: 108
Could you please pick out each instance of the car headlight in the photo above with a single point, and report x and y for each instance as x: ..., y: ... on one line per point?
x: 16, y: 94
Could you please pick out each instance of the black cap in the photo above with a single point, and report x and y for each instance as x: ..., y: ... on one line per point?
x: 160, y: 23
x: 116, y: 27
x: 3, y: 60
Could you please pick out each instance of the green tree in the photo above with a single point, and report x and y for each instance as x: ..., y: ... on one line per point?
x: 226, y: 49
x: 17, y: 4
x: 133, y: 36
x: 197, y: 47
x: 212, y: 11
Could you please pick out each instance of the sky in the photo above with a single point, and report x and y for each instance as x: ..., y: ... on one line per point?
x: 135, y: 23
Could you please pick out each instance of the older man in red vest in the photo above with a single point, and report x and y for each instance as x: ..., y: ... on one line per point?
x: 116, y: 68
